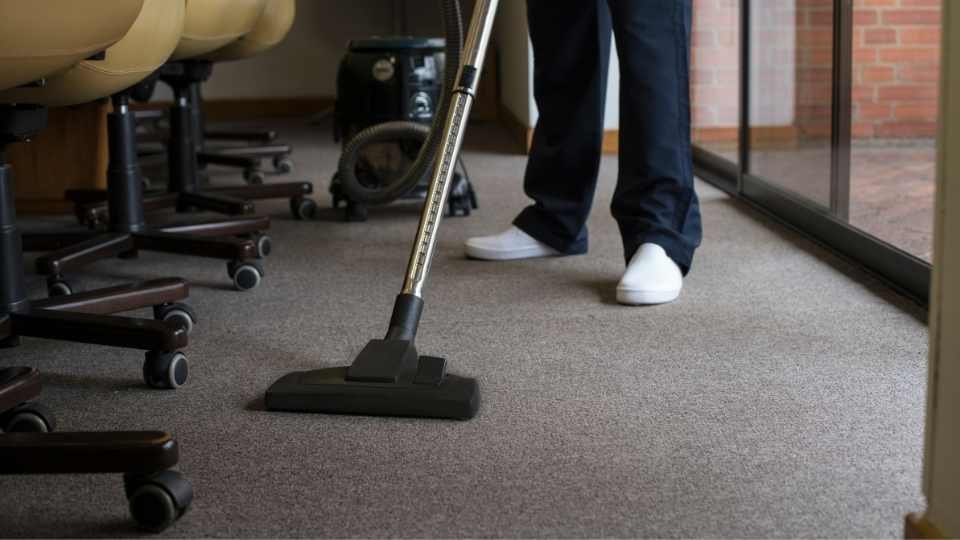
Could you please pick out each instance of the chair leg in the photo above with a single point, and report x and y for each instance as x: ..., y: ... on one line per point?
x: 252, y: 136
x: 220, y: 202
x: 50, y: 241
x: 94, y: 249
x: 18, y: 385
x: 108, y: 330
x: 264, y: 191
x: 212, y: 158
x: 120, y: 298
x: 216, y: 248
x: 144, y: 452
x: 253, y: 151
x: 229, y: 227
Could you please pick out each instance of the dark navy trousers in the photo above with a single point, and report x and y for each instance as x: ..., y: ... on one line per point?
x: 655, y: 199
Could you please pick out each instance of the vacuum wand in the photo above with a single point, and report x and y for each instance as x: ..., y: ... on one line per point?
x: 475, y: 51
x: 389, y: 376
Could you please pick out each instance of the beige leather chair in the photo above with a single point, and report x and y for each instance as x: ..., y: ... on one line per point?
x: 39, y: 39
x: 271, y: 28
x: 211, y: 24
x: 145, y: 47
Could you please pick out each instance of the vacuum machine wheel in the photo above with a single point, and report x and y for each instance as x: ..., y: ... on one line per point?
x: 158, y: 501
x: 28, y: 418
x: 58, y: 287
x: 246, y: 275
x: 181, y: 314
x: 254, y: 176
x: 283, y: 164
x: 355, y: 212
x: 303, y: 208
x: 165, y: 371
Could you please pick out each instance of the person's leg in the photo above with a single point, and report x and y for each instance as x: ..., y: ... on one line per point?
x: 571, y: 47
x: 655, y: 201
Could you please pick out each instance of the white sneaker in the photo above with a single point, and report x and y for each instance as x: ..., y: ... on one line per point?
x: 509, y: 245
x: 651, y: 278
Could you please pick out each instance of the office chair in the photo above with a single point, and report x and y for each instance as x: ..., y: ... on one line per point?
x: 145, y: 47
x: 209, y: 26
x: 271, y: 28
x: 157, y: 495
x: 32, y: 47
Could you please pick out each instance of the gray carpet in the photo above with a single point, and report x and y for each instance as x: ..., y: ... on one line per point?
x: 782, y: 396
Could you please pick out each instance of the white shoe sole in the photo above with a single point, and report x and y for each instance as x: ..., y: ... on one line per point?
x: 633, y: 297
x: 489, y: 254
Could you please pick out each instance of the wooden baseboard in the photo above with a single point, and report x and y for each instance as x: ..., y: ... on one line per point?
x: 918, y: 527
x: 523, y: 134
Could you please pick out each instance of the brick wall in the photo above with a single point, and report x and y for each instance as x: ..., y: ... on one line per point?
x: 715, y: 63
x: 896, y: 68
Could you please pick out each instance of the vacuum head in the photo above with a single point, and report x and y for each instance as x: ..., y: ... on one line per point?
x: 388, y: 378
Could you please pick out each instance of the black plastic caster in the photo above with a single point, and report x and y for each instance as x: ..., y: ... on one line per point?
x: 158, y: 501
x: 181, y: 314
x: 264, y: 245
x: 303, y: 208
x: 28, y: 418
x: 58, y: 287
x: 283, y: 164
x: 165, y: 371
x: 254, y: 176
x: 355, y: 212
x: 246, y: 275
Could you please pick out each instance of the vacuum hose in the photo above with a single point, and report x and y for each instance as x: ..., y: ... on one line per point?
x: 393, y: 131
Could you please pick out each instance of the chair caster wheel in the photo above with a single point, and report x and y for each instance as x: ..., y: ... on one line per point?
x: 264, y: 246
x: 28, y: 418
x: 181, y: 314
x: 246, y: 275
x: 158, y: 501
x: 58, y: 287
x: 303, y: 208
x: 254, y: 176
x: 283, y: 164
x: 165, y: 371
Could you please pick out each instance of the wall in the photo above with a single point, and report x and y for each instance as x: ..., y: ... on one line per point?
x: 941, y: 463
x: 896, y: 68
x: 895, y: 76
x: 516, y: 62
x: 305, y: 64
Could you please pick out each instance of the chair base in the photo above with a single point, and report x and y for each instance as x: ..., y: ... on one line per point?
x: 240, y: 242
x: 158, y: 496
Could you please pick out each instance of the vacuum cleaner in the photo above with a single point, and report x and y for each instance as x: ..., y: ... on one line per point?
x: 381, y: 80
x: 389, y: 377
x: 391, y: 104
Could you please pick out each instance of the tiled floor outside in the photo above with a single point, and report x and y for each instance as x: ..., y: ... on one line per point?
x: 892, y: 186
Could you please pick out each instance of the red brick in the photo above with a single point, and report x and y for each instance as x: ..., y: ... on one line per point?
x: 916, y: 111
x: 911, y: 130
x: 912, y: 16
x: 910, y: 54
x: 877, y: 74
x: 920, y: 36
x: 879, y: 36
x: 904, y: 92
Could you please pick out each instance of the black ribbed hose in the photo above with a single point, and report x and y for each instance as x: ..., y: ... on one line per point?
x: 394, y: 131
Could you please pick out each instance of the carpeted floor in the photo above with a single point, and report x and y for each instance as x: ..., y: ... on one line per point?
x: 782, y: 396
